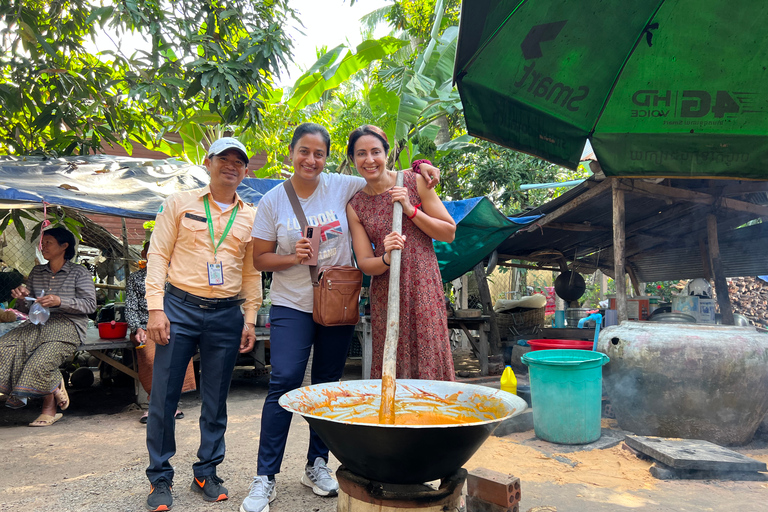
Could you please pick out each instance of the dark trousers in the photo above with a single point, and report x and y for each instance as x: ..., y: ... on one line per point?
x: 292, y: 335
x: 216, y: 332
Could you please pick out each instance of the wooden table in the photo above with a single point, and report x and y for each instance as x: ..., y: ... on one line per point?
x: 259, y: 352
x: 97, y: 347
x: 479, y: 343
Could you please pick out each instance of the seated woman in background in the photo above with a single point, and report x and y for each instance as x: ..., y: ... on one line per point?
x: 136, y: 314
x: 30, y: 355
x: 423, y: 350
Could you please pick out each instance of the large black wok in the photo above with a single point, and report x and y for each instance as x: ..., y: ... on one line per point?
x: 402, y: 454
x: 570, y: 286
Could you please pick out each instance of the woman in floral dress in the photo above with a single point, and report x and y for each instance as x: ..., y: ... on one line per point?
x: 423, y: 350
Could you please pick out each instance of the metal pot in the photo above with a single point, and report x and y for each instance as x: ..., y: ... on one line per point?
x: 573, y: 315
x: 738, y: 320
x: 672, y: 317
x: 402, y: 454
x: 262, y: 319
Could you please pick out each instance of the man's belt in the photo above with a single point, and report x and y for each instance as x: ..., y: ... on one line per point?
x: 203, y: 302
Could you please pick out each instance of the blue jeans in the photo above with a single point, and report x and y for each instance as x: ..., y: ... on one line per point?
x: 293, y: 333
x: 217, y: 333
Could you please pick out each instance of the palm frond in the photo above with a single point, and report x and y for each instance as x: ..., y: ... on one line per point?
x: 375, y: 18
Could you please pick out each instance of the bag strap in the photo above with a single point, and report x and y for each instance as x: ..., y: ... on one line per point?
x: 299, y: 212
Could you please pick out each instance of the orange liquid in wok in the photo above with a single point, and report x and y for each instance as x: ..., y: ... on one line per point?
x: 417, y: 418
x: 422, y: 408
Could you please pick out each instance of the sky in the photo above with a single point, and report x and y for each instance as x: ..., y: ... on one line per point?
x: 327, y: 23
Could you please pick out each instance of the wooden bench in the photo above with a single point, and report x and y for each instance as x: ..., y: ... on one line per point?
x: 98, y: 347
x: 259, y: 352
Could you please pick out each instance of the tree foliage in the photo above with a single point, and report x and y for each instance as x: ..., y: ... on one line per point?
x: 211, y: 56
x: 497, y: 172
x: 417, y: 17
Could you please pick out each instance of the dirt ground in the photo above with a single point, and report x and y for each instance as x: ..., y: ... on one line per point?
x: 94, y: 460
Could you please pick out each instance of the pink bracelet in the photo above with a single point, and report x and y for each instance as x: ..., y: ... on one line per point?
x: 415, y: 165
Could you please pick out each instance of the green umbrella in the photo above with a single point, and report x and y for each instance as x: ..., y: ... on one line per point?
x: 675, y: 88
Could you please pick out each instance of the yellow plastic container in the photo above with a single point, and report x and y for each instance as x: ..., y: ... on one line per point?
x: 509, y: 381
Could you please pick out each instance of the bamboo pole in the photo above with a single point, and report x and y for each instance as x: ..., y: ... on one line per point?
x: 389, y: 365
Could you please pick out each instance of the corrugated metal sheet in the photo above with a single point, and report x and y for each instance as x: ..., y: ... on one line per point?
x: 664, y: 236
x: 742, y: 251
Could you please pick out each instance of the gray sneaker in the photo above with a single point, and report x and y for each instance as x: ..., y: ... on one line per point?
x: 320, y: 478
x: 261, y: 494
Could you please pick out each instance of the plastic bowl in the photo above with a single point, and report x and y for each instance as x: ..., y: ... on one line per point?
x: 113, y: 329
x: 550, y: 344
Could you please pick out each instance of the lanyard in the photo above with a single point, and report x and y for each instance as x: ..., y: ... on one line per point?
x: 210, y: 225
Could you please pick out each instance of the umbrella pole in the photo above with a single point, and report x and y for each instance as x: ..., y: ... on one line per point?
x: 389, y: 365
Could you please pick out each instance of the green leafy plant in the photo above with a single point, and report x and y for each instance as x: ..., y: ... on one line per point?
x: 663, y: 289
x: 56, y: 217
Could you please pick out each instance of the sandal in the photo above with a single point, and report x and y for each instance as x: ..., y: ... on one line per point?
x: 46, y: 420
x: 61, y: 396
x: 179, y: 415
x: 15, y: 402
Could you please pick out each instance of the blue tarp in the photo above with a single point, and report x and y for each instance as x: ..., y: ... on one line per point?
x: 120, y: 186
x: 135, y: 188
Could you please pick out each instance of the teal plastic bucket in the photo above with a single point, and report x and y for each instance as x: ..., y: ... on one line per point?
x: 566, y: 394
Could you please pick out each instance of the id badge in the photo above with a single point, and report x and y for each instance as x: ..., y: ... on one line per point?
x: 215, y: 275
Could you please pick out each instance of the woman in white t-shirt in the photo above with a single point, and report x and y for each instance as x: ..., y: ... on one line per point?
x: 280, y: 247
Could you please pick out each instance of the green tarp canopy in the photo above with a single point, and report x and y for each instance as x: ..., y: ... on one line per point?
x: 480, y: 228
x: 661, y: 88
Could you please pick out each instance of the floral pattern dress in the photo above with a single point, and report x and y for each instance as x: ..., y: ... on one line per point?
x: 423, y: 350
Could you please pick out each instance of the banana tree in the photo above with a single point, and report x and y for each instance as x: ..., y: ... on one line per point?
x: 413, y: 95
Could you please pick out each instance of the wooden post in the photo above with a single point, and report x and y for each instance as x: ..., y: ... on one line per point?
x: 619, y: 244
x: 485, y: 298
x: 705, y: 263
x: 126, y: 253
x: 721, y: 285
x: 639, y: 289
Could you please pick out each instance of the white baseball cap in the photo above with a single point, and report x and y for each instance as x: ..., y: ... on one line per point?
x: 225, y: 143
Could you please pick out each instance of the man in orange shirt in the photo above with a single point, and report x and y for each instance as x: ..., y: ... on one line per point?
x: 199, y: 272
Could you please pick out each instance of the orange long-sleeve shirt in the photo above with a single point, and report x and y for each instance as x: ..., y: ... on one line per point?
x: 181, y: 248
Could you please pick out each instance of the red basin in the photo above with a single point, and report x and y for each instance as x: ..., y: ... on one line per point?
x: 548, y: 344
x: 113, y: 329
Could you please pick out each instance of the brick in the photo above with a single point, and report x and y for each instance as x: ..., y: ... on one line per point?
x: 475, y: 504
x: 494, y: 488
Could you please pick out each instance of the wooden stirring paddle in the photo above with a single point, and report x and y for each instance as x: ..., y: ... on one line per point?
x: 389, y: 364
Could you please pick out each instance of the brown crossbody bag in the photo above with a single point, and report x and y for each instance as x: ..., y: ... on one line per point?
x: 336, y: 287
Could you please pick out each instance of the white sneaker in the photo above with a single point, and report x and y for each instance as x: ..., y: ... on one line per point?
x: 261, y: 494
x: 320, y: 478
